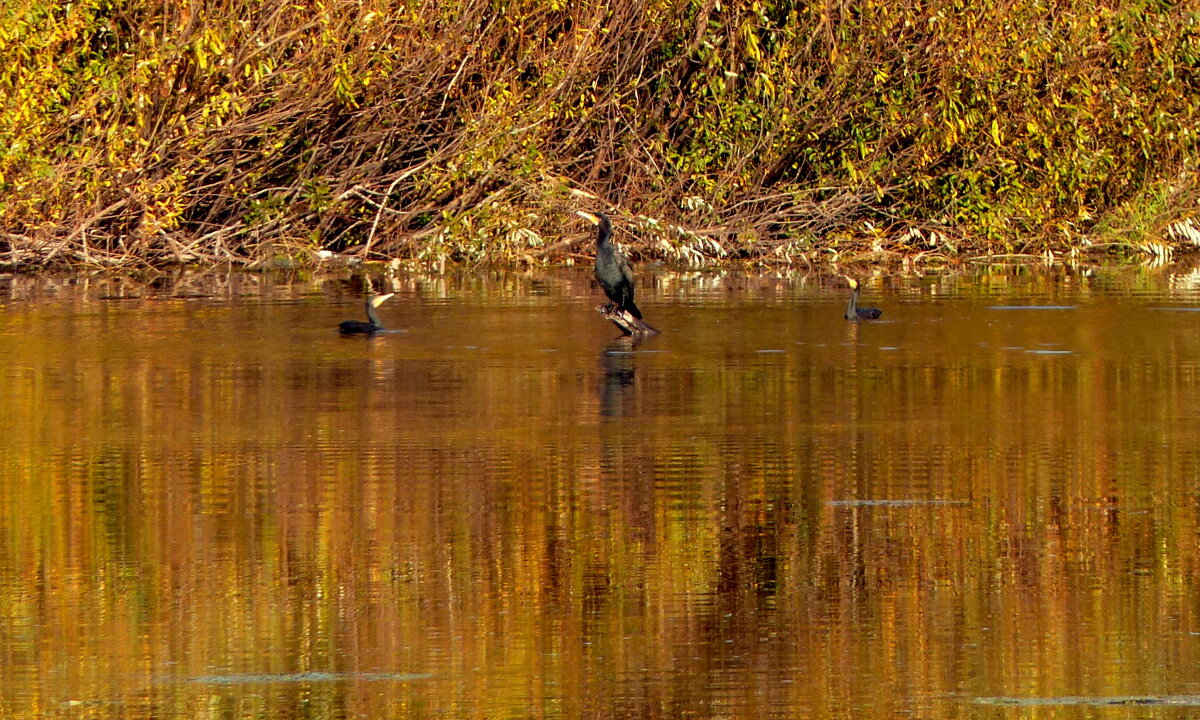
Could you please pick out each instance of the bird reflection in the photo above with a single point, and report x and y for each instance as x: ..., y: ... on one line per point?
x: 617, y: 364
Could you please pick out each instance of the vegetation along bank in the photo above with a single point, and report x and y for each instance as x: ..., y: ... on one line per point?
x: 471, y: 130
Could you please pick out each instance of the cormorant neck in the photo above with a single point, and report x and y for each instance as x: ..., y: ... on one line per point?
x: 605, y: 231
x: 852, y: 306
x: 371, y: 314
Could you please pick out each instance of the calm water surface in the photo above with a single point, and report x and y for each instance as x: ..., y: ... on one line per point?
x: 986, y: 505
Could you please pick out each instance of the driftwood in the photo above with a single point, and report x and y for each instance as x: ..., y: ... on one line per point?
x: 625, y: 320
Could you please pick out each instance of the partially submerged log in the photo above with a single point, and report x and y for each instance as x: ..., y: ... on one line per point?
x: 626, y: 322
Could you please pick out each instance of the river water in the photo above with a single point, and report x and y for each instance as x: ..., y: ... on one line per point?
x: 986, y: 504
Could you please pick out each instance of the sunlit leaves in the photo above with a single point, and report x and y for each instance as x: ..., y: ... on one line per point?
x: 996, y: 117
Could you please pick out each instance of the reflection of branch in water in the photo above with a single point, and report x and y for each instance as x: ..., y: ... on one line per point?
x: 617, y: 364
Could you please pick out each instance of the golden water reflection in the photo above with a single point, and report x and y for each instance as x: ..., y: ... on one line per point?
x: 213, y: 506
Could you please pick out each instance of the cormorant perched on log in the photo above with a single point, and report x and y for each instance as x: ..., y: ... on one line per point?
x: 612, y: 268
x: 350, y: 327
x: 853, y: 311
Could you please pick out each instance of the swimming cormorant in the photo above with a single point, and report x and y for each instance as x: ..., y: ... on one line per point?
x: 854, y: 312
x: 612, y: 268
x: 349, y: 327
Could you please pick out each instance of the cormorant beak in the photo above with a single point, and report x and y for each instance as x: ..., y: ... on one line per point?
x: 588, y: 216
x: 378, y: 299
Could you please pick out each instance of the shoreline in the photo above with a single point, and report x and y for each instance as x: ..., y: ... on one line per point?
x: 57, y: 259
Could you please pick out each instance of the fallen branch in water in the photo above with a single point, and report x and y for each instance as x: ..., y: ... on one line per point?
x: 626, y: 322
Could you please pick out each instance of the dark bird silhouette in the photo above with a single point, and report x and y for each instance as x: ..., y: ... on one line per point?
x: 853, y: 311
x: 612, y: 268
x: 350, y: 327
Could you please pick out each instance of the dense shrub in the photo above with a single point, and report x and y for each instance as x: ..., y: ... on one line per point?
x: 466, y: 129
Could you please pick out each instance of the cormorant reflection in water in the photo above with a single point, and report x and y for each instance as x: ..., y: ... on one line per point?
x: 616, y: 384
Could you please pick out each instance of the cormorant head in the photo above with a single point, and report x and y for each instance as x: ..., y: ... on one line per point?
x: 853, y: 283
x: 377, y: 300
x: 598, y: 219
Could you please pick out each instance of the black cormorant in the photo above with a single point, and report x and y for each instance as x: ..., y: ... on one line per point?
x: 853, y: 311
x: 349, y: 327
x: 612, y: 268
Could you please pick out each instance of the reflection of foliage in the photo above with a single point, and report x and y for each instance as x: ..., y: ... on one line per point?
x: 221, y: 501
x: 445, y: 129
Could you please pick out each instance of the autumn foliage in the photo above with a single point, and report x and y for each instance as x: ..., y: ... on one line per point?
x: 240, y: 130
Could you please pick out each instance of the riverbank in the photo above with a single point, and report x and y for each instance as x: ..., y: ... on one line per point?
x: 877, y: 248
x: 139, y: 133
